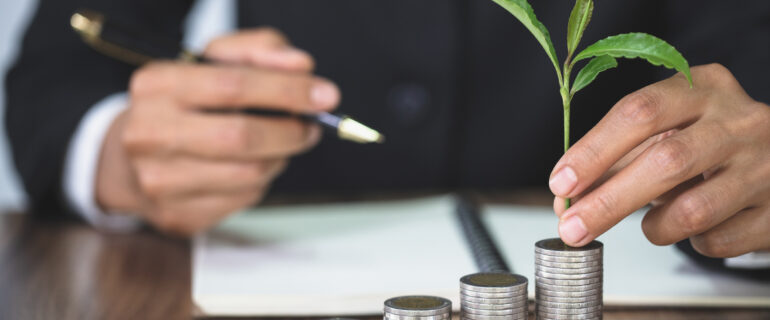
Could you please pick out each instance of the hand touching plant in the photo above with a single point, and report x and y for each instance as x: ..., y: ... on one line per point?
x: 700, y: 156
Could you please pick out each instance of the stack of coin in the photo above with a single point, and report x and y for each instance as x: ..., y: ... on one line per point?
x: 418, y: 308
x: 568, y: 280
x: 493, y: 296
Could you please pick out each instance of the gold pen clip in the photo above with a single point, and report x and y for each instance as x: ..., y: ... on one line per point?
x: 90, y: 26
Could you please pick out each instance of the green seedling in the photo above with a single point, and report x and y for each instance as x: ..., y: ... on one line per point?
x: 602, y: 53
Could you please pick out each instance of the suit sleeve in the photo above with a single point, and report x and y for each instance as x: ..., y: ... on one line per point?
x: 57, y: 78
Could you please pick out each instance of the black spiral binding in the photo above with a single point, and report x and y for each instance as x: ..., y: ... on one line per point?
x: 485, y: 252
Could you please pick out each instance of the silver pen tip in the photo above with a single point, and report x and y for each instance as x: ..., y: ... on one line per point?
x: 353, y: 130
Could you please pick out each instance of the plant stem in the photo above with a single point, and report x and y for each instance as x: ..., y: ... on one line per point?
x: 566, y: 103
x: 566, y: 99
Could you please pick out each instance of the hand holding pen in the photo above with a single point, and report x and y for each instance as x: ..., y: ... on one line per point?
x: 183, y: 169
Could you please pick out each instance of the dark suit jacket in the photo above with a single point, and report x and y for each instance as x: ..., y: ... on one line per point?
x: 464, y: 94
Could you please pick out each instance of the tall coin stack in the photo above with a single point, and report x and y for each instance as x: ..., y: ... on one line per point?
x: 568, y: 280
x: 417, y: 308
x: 493, y: 296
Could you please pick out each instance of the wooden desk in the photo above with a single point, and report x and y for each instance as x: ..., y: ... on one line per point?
x: 66, y: 270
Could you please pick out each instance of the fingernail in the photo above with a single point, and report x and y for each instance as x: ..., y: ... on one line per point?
x: 324, y: 95
x: 563, y: 182
x: 572, y: 230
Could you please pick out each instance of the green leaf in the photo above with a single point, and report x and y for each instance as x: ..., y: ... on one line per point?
x: 638, y: 45
x: 524, y: 12
x: 578, y: 21
x: 591, y: 70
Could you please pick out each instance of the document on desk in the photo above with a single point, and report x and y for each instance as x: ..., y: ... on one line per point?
x: 346, y: 259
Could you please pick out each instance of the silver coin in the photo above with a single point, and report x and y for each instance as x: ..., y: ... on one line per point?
x: 568, y: 259
x: 570, y: 270
x: 546, y: 315
x: 566, y: 305
x: 541, y: 317
x: 561, y: 276
x: 585, y: 299
x: 585, y: 310
x: 468, y: 299
x: 569, y: 282
x: 555, y: 246
x: 406, y: 315
x: 417, y: 306
x: 510, y: 291
x: 511, y: 317
x: 487, y: 295
x: 493, y: 312
x: 545, y: 293
x: 593, y: 254
x: 493, y: 282
x: 552, y: 293
x: 445, y: 316
x: 569, y: 288
x: 494, y: 306
x: 471, y: 316
x: 568, y: 265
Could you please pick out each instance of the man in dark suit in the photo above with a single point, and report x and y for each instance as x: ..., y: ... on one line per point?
x: 464, y: 95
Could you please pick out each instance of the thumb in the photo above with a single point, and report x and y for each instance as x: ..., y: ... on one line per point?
x: 263, y: 47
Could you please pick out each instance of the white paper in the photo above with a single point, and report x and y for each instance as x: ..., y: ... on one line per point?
x: 636, y: 272
x: 346, y: 259
x: 329, y: 259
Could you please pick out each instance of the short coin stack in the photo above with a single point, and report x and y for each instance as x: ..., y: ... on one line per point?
x: 493, y: 296
x: 568, y: 280
x: 418, y: 308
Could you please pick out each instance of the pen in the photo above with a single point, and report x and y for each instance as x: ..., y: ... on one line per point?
x: 124, y: 44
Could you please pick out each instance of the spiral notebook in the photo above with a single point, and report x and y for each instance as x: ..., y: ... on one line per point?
x: 346, y: 259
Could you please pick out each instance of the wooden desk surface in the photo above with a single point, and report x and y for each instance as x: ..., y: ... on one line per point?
x: 66, y: 270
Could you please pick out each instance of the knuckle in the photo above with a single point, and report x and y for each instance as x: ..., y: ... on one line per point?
x: 712, y: 244
x: 151, y: 182
x: 230, y: 84
x: 136, y: 141
x: 151, y: 78
x: 237, y: 137
x: 296, y: 91
x: 270, y: 35
x: 716, y: 76
x: 605, y: 204
x: 583, y: 154
x: 672, y: 158
x: 694, y: 213
x: 252, y: 174
x: 215, y: 45
x: 762, y: 115
x: 717, y: 72
x: 640, y: 107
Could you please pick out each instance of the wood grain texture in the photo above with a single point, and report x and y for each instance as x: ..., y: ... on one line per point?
x: 66, y: 270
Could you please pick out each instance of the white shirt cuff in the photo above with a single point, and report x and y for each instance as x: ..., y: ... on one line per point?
x: 82, y: 162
